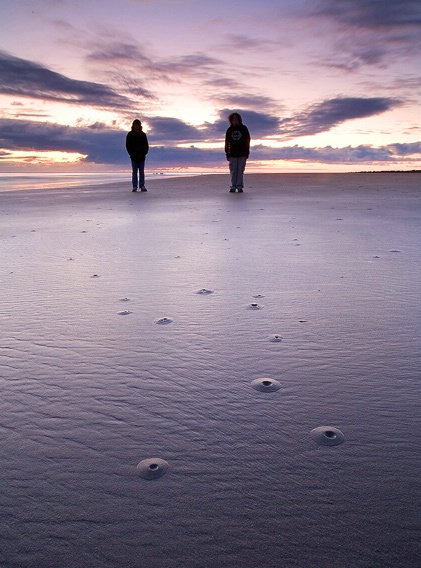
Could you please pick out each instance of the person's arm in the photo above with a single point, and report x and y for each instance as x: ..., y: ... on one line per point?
x: 227, y: 145
x: 248, y: 139
x: 128, y: 145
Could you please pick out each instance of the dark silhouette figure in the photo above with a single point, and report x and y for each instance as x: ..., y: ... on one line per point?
x: 137, y: 146
x: 237, y: 150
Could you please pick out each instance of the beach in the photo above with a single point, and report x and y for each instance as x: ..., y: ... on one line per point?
x: 133, y: 326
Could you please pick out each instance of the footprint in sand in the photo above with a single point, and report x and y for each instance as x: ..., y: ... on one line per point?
x: 95, y: 276
x: 266, y: 385
x: 255, y: 306
x: 124, y: 313
x: 276, y: 338
x: 163, y: 321
x: 152, y: 468
x: 204, y: 291
x: 327, y: 436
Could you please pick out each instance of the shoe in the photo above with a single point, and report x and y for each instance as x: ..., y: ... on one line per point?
x: 240, y: 189
x: 143, y: 188
x: 134, y: 189
x: 232, y: 189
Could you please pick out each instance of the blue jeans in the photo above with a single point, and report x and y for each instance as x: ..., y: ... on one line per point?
x: 138, y: 167
x: 237, y: 167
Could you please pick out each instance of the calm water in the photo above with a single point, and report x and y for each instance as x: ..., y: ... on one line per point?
x: 15, y: 181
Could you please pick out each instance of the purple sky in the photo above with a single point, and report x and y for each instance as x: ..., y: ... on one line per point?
x: 323, y: 85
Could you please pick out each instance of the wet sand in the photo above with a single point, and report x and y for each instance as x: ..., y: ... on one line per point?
x: 197, y: 378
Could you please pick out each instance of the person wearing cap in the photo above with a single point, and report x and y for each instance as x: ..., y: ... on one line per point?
x: 137, y: 147
x: 237, y: 150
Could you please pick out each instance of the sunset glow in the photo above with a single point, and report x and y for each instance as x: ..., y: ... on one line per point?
x: 323, y: 85
x: 42, y: 158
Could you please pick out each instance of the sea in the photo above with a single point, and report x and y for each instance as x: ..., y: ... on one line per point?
x: 25, y: 181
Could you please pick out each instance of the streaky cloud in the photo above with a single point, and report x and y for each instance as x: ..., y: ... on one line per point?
x: 21, y: 77
x: 246, y: 101
x: 243, y: 43
x: 372, y: 13
x: 129, y: 56
x: 323, y: 116
x: 222, y: 83
x: 364, y: 154
x: 377, y: 33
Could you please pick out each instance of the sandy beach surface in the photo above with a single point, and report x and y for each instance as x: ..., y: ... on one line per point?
x: 133, y: 327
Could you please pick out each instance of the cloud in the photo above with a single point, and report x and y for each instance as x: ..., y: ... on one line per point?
x: 372, y: 14
x: 378, y: 33
x: 362, y: 154
x: 406, y: 149
x: 166, y: 129
x: 127, y: 56
x: 105, y: 146
x: 244, y: 101
x: 241, y: 43
x: 100, y: 144
x: 136, y: 73
x: 260, y: 124
x: 163, y: 130
x: 222, y: 83
x: 323, y: 116
x: 20, y: 77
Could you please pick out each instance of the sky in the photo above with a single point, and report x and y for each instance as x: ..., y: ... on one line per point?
x: 322, y: 85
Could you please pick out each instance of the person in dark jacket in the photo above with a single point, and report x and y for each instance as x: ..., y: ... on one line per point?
x: 237, y: 150
x: 137, y: 146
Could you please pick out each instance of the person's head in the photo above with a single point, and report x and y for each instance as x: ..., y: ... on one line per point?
x: 235, y: 119
x: 136, y: 125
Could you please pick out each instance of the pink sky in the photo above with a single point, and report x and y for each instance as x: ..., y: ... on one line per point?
x: 323, y: 85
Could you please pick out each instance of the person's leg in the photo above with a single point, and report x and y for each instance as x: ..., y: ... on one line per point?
x: 240, y: 172
x: 233, y: 170
x: 142, y: 174
x: 134, y: 175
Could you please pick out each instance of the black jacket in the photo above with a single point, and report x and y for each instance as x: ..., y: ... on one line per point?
x: 237, y: 141
x: 137, y: 145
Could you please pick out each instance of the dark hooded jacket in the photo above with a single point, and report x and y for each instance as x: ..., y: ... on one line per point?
x: 137, y: 145
x: 237, y: 141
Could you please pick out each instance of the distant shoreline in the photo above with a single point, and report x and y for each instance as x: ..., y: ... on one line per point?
x: 388, y: 172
